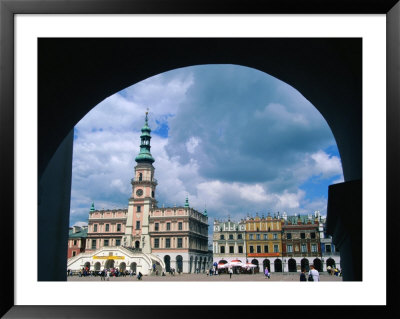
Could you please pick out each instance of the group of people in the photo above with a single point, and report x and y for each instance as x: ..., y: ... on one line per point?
x: 313, y: 274
x: 334, y: 271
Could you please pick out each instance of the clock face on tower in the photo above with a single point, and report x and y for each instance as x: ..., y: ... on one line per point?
x: 139, y: 192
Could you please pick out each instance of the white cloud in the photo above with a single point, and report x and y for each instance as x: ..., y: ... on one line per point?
x: 222, y: 158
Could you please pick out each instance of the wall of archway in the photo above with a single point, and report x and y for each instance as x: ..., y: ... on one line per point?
x: 326, y: 71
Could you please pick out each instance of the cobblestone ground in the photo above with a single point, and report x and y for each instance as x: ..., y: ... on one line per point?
x: 204, y: 277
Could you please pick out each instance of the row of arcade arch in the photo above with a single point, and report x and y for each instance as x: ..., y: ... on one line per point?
x: 110, y: 263
x: 292, y: 264
x: 196, y: 264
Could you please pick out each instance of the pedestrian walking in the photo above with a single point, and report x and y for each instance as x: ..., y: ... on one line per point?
x: 313, y: 274
x: 230, y: 272
x: 266, y: 273
x: 303, y: 275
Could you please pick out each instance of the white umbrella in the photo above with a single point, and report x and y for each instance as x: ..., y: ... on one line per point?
x: 221, y: 266
x: 248, y: 265
x: 235, y: 263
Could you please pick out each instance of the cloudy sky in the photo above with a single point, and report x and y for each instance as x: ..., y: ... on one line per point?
x: 235, y: 139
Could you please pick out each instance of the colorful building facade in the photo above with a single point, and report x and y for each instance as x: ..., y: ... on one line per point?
x: 229, y: 241
x: 264, y: 242
x: 77, y: 240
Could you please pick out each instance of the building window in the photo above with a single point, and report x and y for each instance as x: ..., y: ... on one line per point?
x: 179, y: 242
x: 240, y: 249
x: 302, y: 235
x: 222, y: 237
x: 314, y: 248
x: 107, y: 227
x: 75, y: 242
x: 289, y: 248
x: 258, y: 236
x: 180, y: 226
x: 152, y: 194
x: 230, y: 236
x: 95, y: 227
x: 138, y: 209
x: 251, y: 237
x: 328, y: 248
x: 156, y: 243
x: 117, y: 242
x: 239, y: 236
x: 265, y: 236
x: 168, y: 226
x: 231, y: 249
x: 289, y: 235
x: 118, y: 227
x: 168, y: 243
x: 275, y: 236
x: 266, y: 249
x: 258, y: 249
x: 251, y: 249
x: 276, y: 249
x: 312, y: 235
x: 303, y: 248
x: 222, y: 249
x: 93, y: 243
x: 140, y: 177
x: 105, y: 242
x: 156, y: 226
x: 137, y: 224
x: 73, y: 253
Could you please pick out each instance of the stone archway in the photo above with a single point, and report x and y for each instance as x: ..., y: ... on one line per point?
x: 133, y: 267
x: 191, y: 264
x: 179, y: 263
x: 122, y: 266
x: 97, y: 266
x: 167, y: 261
x: 266, y: 263
x: 87, y: 265
x: 317, y: 264
x: 109, y: 264
x: 255, y: 262
x: 292, y: 265
x: 278, y: 265
x: 330, y: 262
x: 341, y: 56
x: 304, y: 264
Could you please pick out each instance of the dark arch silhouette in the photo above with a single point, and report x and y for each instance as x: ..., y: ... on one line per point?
x: 266, y: 263
x: 317, y: 264
x: 179, y: 263
x: 305, y: 264
x: 327, y: 72
x: 122, y: 266
x: 330, y: 262
x: 292, y: 265
x: 109, y: 264
x: 278, y: 265
x: 167, y: 261
x: 133, y: 267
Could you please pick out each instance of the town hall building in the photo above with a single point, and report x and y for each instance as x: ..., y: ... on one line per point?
x: 145, y: 236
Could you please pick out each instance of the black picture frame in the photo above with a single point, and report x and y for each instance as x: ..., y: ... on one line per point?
x: 8, y: 10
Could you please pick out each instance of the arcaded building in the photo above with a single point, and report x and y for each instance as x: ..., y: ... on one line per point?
x: 229, y: 241
x: 145, y: 236
x: 301, y: 245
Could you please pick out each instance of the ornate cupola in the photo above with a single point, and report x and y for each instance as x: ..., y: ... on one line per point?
x: 144, y: 154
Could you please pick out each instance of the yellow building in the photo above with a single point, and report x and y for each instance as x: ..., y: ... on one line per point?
x: 264, y: 242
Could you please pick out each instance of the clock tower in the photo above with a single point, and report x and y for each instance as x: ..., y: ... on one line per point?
x: 143, y: 196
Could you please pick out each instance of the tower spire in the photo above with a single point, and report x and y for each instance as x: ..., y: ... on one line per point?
x: 144, y: 154
x: 187, y: 201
